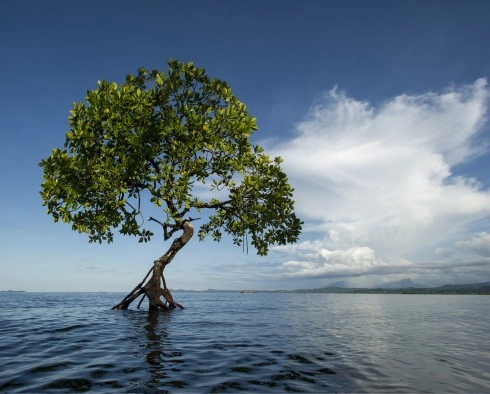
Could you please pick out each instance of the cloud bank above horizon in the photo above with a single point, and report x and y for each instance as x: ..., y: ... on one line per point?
x: 376, y: 187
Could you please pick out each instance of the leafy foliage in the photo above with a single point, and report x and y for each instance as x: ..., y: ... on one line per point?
x: 165, y: 136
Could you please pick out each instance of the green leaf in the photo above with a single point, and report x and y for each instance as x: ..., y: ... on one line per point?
x: 149, y: 139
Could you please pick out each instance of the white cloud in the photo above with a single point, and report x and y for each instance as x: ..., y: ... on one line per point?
x: 379, y: 181
x: 318, y: 261
x: 479, y: 245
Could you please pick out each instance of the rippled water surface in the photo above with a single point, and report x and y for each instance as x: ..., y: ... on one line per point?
x: 230, y: 342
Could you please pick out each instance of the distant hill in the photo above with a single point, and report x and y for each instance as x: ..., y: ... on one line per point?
x: 471, y: 288
x: 402, y: 284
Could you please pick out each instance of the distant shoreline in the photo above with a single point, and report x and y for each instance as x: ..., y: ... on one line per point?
x: 349, y: 291
x: 465, y: 289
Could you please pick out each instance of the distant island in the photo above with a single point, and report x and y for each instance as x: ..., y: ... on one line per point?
x: 465, y: 289
x: 12, y: 291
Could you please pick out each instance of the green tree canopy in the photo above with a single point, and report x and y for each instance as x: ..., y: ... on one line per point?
x: 179, y: 140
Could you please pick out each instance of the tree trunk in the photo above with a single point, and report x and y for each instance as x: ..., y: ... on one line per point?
x: 153, y: 288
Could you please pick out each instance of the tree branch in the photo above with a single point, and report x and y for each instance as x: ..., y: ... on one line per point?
x: 174, y: 227
x: 221, y: 205
x: 154, y: 165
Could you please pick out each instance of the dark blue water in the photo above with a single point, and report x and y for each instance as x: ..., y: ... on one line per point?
x: 73, y: 342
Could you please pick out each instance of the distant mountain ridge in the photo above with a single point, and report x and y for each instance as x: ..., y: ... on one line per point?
x: 470, y: 288
x: 404, y: 283
x: 475, y: 286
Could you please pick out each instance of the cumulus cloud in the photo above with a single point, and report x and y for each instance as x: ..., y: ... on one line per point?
x: 479, y: 245
x: 318, y: 261
x: 378, y: 181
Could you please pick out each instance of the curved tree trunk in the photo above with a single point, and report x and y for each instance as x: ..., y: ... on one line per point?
x: 153, y: 288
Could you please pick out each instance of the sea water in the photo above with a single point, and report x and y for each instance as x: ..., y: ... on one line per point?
x: 232, y: 342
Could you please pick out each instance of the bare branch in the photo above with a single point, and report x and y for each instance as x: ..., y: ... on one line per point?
x: 156, y: 220
x: 174, y: 227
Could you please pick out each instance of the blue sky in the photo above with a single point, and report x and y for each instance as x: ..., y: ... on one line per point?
x: 379, y: 109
